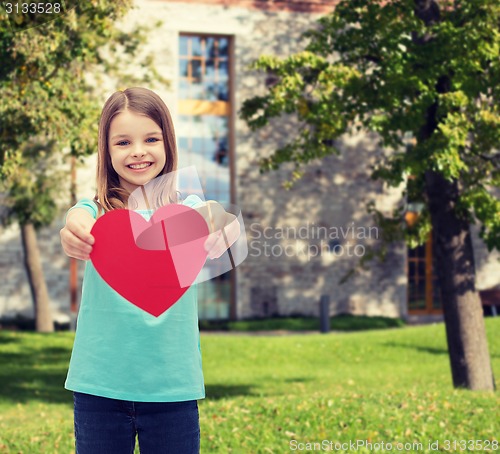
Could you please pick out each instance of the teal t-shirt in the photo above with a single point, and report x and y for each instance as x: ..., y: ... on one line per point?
x: 123, y: 352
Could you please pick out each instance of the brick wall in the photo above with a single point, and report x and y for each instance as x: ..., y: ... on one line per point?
x: 332, y: 194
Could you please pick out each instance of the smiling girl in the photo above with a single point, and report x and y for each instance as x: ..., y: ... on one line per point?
x: 130, y: 372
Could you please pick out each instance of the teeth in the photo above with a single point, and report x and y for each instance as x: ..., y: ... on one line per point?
x: 140, y: 166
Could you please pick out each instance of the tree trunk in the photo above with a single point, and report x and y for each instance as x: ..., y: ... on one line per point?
x: 463, y: 314
x: 40, y: 296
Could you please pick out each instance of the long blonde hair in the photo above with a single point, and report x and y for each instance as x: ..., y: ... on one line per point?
x: 110, y: 195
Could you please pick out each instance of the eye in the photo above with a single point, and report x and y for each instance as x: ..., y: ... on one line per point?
x: 122, y: 143
x: 152, y: 138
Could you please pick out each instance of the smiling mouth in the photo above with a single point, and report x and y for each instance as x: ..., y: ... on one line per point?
x: 140, y: 166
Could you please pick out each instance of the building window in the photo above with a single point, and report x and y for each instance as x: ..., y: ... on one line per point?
x: 204, y: 133
x: 423, y: 288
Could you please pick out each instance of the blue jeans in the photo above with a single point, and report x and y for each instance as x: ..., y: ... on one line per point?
x: 109, y: 426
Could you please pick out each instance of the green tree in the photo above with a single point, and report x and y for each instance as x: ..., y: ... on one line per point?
x: 51, y: 89
x: 427, y: 70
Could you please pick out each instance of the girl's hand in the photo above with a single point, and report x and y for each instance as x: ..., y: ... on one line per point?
x: 76, y: 239
x: 224, y: 229
x: 220, y: 241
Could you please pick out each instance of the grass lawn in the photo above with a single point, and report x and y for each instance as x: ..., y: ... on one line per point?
x: 266, y: 394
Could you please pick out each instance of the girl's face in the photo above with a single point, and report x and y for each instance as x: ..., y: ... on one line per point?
x: 136, y: 148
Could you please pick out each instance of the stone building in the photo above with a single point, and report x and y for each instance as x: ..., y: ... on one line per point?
x: 300, y: 242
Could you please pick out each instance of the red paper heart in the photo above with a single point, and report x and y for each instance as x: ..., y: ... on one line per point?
x: 151, y: 264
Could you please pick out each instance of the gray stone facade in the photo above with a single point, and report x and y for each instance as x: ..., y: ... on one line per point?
x: 299, y: 242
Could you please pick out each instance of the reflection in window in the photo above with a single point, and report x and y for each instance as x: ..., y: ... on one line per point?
x: 203, y: 138
x: 203, y: 67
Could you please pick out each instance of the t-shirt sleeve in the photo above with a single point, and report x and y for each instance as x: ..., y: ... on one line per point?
x: 193, y: 201
x: 88, y: 205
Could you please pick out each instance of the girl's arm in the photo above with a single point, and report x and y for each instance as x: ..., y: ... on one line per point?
x: 76, y: 239
x: 215, y: 215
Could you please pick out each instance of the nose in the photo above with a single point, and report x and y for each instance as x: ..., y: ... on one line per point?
x: 138, y: 152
